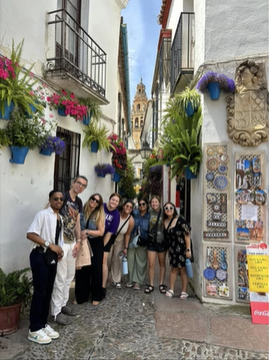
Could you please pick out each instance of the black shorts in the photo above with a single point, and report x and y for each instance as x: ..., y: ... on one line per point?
x: 158, y: 247
x: 108, y: 246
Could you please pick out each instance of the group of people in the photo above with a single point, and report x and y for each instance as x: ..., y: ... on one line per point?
x: 109, y: 230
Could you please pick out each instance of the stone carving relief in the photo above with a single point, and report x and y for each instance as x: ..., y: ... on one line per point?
x: 247, y: 109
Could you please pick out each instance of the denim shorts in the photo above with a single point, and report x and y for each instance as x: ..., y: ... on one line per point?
x: 158, y: 247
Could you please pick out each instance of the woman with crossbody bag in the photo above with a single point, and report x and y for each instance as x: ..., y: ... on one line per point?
x: 156, y: 246
x: 121, y: 242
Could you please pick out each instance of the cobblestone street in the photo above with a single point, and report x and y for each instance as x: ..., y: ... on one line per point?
x: 131, y: 325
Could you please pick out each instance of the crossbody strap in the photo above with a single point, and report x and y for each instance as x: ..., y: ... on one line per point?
x: 169, y: 225
x: 116, y: 235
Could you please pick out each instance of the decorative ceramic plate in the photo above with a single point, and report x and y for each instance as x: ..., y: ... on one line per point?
x: 209, y: 176
x: 216, y: 207
x: 221, y: 274
x: 210, y: 151
x: 221, y: 182
x: 222, y: 168
x: 212, y: 163
x: 220, y: 149
x: 211, y: 198
x: 209, y: 273
x: 223, y: 208
x: 224, y: 158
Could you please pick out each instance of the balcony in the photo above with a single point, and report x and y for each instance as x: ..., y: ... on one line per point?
x: 74, y: 60
x: 182, y: 53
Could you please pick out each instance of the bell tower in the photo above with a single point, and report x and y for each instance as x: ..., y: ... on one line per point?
x: 138, y: 113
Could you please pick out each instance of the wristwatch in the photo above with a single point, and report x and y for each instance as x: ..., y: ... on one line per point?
x: 187, y: 250
x: 47, y: 243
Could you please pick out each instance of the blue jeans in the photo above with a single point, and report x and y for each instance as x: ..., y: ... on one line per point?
x: 43, y: 280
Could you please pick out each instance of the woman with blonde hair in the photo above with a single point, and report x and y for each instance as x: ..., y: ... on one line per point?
x: 157, y: 247
x: 93, y: 227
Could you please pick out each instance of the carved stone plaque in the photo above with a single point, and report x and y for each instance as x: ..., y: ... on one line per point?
x: 247, y: 109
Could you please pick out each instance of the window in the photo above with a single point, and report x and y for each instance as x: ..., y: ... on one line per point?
x: 141, y: 123
x: 136, y: 122
x: 138, y: 107
x: 66, y: 165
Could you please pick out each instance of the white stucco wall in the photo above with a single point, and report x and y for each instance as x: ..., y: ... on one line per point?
x: 24, y: 188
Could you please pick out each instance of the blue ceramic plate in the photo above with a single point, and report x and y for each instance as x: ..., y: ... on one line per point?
x: 221, y: 182
x: 209, y: 273
x: 222, y: 168
x: 209, y: 176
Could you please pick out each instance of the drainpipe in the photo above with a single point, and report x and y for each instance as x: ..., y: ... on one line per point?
x: 126, y: 69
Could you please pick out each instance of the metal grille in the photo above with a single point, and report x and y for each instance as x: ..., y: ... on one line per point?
x: 75, y: 52
x: 67, y: 164
x: 215, y: 282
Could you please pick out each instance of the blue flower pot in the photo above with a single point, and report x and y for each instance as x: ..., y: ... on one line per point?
x: 45, y: 151
x: 61, y: 111
x: 189, y: 174
x: 18, y: 154
x: 8, y: 109
x: 189, y: 110
x: 116, y: 177
x: 87, y: 118
x: 94, y: 146
x: 101, y: 175
x: 214, y: 90
x: 33, y: 109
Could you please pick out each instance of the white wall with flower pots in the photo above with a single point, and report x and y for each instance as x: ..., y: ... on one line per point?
x: 24, y: 188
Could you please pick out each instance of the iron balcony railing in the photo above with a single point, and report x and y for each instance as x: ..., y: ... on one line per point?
x: 182, y: 50
x: 71, y: 50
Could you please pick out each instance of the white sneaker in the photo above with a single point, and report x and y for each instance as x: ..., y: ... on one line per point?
x: 51, y: 332
x: 39, y: 337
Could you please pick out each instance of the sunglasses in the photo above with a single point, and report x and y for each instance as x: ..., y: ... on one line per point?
x: 58, y: 199
x: 169, y: 208
x: 141, y: 204
x: 126, y: 205
x: 81, y: 184
x: 95, y: 200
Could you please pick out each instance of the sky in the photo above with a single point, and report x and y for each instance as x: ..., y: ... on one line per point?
x: 143, y: 36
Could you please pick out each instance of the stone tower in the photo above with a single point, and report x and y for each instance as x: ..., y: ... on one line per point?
x: 138, y: 113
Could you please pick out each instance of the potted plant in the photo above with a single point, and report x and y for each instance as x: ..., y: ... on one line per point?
x: 180, y: 144
x: 23, y: 133
x: 52, y: 144
x: 67, y: 104
x: 15, y: 295
x: 214, y: 83
x: 188, y: 101
x: 94, y: 110
x: 119, y: 156
x: 103, y: 169
x: 96, y: 137
x: 16, y: 85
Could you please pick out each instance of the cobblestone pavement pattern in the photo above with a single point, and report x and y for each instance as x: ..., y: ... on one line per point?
x: 131, y: 325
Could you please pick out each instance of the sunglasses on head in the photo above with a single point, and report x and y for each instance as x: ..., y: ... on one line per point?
x: 168, y: 208
x: 58, y: 199
x: 141, y: 204
x: 95, y: 200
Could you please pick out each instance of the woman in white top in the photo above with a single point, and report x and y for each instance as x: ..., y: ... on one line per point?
x: 125, y: 228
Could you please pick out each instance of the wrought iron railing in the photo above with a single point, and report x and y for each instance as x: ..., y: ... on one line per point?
x: 72, y: 50
x: 182, y: 50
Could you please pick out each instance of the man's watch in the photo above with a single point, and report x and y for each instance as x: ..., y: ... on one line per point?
x: 187, y: 250
x: 47, y: 243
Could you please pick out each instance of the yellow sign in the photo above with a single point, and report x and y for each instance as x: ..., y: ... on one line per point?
x: 258, y: 273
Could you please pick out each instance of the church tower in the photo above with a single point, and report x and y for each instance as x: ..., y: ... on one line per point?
x: 138, y: 113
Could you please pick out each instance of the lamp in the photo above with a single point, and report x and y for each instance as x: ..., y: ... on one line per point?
x: 145, y: 151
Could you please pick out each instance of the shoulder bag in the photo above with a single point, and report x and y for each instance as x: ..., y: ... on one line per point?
x: 84, y: 255
x: 152, y: 235
x: 135, y: 239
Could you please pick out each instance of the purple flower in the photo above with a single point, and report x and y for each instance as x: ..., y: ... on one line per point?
x: 104, y: 169
x: 226, y: 84
x: 55, y: 144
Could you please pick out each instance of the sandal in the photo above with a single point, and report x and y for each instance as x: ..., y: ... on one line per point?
x: 184, y: 295
x: 169, y: 293
x: 162, y: 289
x: 136, y: 287
x: 149, y: 289
x: 95, y: 303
